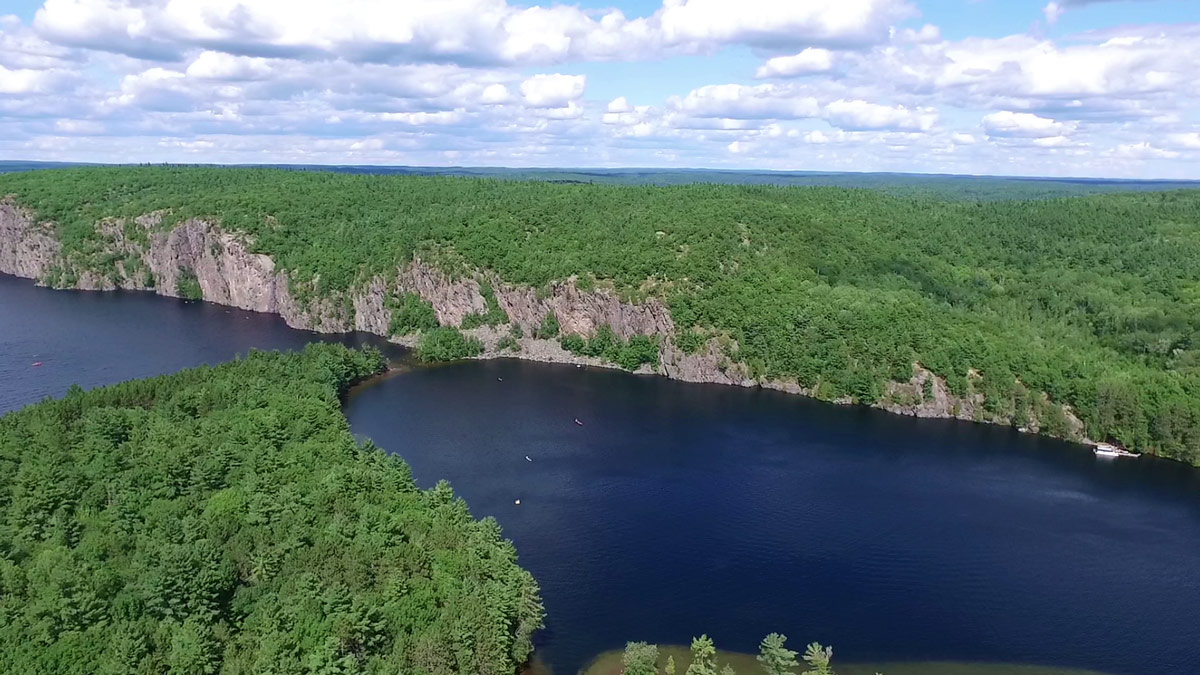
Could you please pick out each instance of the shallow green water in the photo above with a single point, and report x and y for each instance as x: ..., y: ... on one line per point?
x: 609, y: 663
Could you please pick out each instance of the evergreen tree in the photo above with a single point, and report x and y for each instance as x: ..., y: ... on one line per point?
x: 776, y: 659
x: 704, y: 657
x: 818, y: 658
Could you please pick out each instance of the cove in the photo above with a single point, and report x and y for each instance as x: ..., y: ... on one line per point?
x: 678, y: 509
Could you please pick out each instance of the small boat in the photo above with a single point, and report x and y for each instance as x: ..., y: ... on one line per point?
x: 578, y: 422
x: 37, y: 364
x: 1110, y: 450
x: 499, y: 379
x: 518, y: 502
x: 527, y: 458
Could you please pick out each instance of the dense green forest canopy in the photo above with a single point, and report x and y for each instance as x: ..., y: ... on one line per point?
x: 1093, y: 301
x: 945, y: 186
x: 224, y: 520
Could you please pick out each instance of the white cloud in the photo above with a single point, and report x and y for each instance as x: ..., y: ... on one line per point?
x: 494, y: 94
x: 467, y: 32
x: 1185, y: 141
x: 24, y: 81
x: 739, y: 147
x: 1053, y: 11
x: 1126, y: 63
x: 475, y: 81
x: 1144, y: 150
x: 1023, y: 125
x: 424, y: 118
x: 774, y: 24
x: 553, y: 91
x: 926, y: 34
x: 619, y: 104
x: 811, y: 60
x: 212, y: 65
x: 739, y: 101
x: 1051, y: 141
x: 89, y: 127
x: 864, y: 115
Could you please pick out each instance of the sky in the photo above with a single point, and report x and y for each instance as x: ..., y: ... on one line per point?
x: 1099, y: 88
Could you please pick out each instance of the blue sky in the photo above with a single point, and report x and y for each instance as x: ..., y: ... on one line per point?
x: 1014, y: 87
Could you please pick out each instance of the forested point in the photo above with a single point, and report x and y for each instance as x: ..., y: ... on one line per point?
x: 224, y: 520
x: 1092, y: 302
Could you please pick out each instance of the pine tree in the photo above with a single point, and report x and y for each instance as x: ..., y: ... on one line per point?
x: 704, y: 657
x: 776, y: 658
x: 818, y: 658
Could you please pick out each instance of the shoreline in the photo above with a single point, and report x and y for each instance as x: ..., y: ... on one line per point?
x: 543, y: 350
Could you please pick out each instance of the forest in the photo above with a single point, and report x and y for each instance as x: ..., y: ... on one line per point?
x: 225, y: 520
x: 1090, y: 301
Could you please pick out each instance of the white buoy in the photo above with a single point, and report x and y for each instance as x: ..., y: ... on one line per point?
x: 518, y: 502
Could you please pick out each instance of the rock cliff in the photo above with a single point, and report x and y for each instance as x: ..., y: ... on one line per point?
x: 222, y: 264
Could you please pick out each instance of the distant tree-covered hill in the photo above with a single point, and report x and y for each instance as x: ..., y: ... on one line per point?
x: 945, y: 186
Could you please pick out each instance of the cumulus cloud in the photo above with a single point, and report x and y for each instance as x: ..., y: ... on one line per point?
x: 1144, y: 150
x: 467, y: 32
x: 811, y: 60
x: 768, y: 23
x: 212, y: 65
x: 1185, y: 141
x: 1023, y: 125
x: 1053, y: 11
x: 856, y: 115
x: 25, y: 81
x: 619, y: 105
x: 737, y: 101
x: 553, y: 91
x: 494, y: 93
x: 851, y: 84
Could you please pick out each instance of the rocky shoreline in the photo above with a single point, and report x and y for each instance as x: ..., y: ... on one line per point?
x: 226, y: 271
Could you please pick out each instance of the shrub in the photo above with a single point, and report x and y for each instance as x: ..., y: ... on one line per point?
x: 549, y: 328
x: 446, y: 343
x: 188, y: 286
x: 410, y: 314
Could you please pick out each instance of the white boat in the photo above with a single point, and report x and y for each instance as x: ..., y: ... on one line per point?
x: 1110, y: 450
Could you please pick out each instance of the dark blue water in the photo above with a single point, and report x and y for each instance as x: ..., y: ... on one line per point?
x: 94, y: 339
x: 679, y: 509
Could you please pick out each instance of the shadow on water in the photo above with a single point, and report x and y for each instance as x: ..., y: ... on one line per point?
x: 98, y: 338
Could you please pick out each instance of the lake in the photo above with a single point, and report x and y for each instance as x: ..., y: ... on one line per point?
x: 678, y: 509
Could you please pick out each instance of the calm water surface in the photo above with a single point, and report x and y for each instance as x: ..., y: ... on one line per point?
x: 678, y: 509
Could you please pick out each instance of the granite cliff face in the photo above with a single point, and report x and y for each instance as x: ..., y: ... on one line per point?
x: 26, y: 250
x: 228, y: 272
